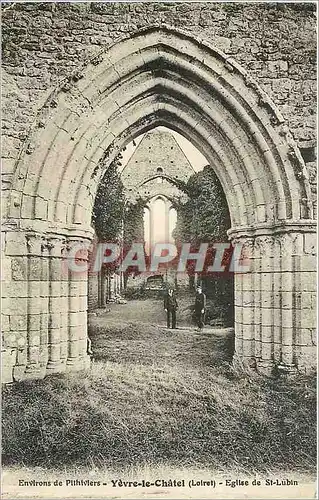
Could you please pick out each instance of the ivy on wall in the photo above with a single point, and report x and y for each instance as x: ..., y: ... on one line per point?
x: 205, y: 216
x: 109, y: 205
x: 134, y: 222
x: 114, y: 218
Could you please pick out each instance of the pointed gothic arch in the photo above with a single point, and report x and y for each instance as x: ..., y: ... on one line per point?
x: 163, y: 76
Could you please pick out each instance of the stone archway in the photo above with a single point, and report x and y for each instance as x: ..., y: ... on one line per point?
x: 159, y: 76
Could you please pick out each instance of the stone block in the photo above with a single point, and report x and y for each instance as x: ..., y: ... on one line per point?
x: 55, y: 269
x: 54, y: 320
x: 8, y: 360
x: 35, y: 268
x: 268, y: 299
x: 34, y: 306
x: 19, y: 268
x: 248, y: 315
x: 267, y: 280
x: 308, y: 318
x: 9, y: 340
x: 78, y: 288
x: 34, y: 289
x: 276, y: 346
x: 41, y: 208
x: 308, y: 262
x: 34, y: 322
x: 43, y: 355
x: 5, y: 323
x: 18, y: 322
x: 306, y: 336
x: 34, y: 339
x: 266, y: 333
x: 289, y: 299
x: 73, y: 333
x: 6, y: 274
x: 78, y: 303
x: 45, y: 269
x: 55, y: 289
x: 308, y: 281
x: 64, y: 289
x: 266, y: 350
x: 310, y: 243
x: 308, y: 300
x: 55, y: 303
x: 15, y: 289
x: 307, y: 358
x: 267, y: 317
x: 258, y: 348
x: 8, y: 165
x: 77, y: 318
x: 15, y: 243
x: 248, y: 348
x: 287, y: 318
x: 22, y: 357
x: 13, y: 304
x: 63, y: 351
x: 27, y: 207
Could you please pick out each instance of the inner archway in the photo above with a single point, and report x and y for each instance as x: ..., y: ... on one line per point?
x: 187, y: 209
x: 164, y: 77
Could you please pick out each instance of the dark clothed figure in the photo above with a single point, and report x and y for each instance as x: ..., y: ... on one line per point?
x: 170, y: 306
x: 200, y: 306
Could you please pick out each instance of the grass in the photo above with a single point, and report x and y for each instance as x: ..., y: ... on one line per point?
x: 159, y: 408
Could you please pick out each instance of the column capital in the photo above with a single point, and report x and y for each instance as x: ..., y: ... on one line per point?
x: 272, y: 229
x: 34, y: 243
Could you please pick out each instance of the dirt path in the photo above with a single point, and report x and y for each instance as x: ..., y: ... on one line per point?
x: 137, y: 332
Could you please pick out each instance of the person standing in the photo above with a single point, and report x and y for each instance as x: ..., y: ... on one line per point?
x: 200, y: 307
x: 170, y: 306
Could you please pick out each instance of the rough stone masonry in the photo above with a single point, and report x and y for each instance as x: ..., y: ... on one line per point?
x: 81, y: 80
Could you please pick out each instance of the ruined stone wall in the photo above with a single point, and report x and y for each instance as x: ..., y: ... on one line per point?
x: 45, y: 43
x: 93, y: 291
x: 158, y: 149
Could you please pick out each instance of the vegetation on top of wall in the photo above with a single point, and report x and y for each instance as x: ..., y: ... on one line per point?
x: 205, y: 216
x: 114, y: 218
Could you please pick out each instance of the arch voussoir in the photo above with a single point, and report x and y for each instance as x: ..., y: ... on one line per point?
x: 154, y: 77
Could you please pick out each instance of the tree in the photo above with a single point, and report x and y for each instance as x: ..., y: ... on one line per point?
x: 109, y: 205
x: 114, y: 218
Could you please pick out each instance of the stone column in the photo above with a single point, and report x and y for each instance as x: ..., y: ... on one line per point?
x: 265, y: 244
x: 256, y: 298
x: 77, y: 309
x: 288, y: 290
x: 14, y: 305
x: 64, y: 304
x: 275, y: 304
x: 44, y: 293
x: 34, y: 276
x: 244, y: 303
x: 54, y: 306
x: 306, y: 305
x: 44, y: 307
